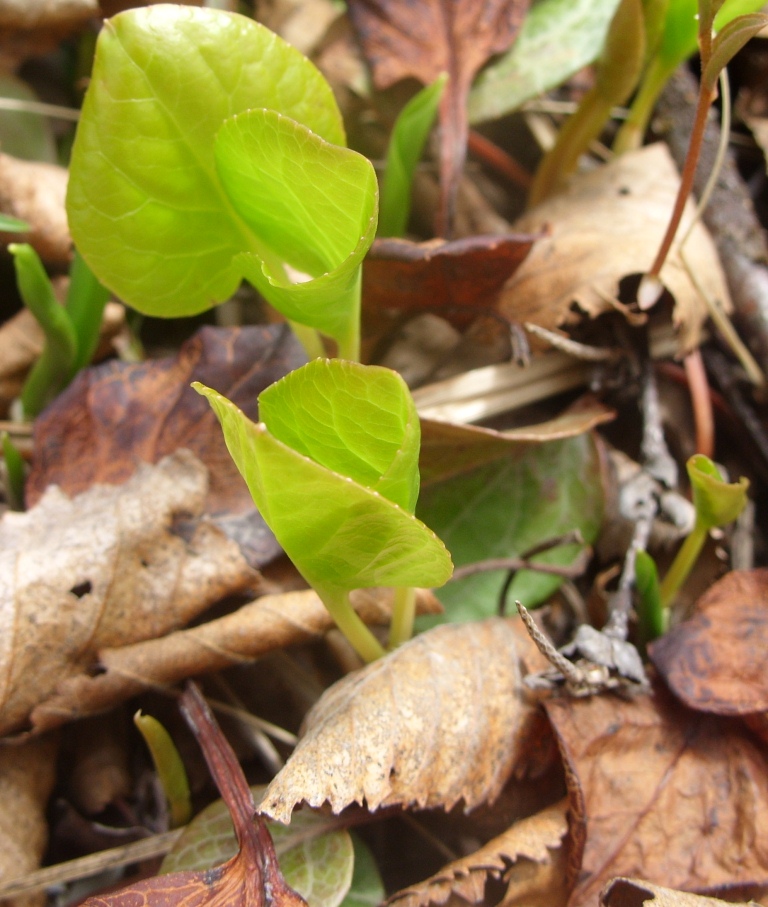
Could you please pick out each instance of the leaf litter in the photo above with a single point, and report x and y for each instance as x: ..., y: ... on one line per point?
x: 660, y: 793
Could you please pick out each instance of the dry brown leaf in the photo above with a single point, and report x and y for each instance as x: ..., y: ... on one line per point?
x: 27, y: 776
x: 104, y: 569
x: 530, y: 856
x: 448, y: 449
x: 119, y: 414
x: 636, y: 892
x: 269, y: 623
x: 35, y: 193
x: 661, y: 792
x: 715, y: 661
x: 441, y: 719
x: 605, y: 226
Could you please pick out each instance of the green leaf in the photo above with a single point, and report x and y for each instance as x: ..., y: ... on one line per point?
x: 316, y: 859
x: 9, y: 224
x: 356, y: 420
x: 310, y: 205
x: 729, y: 42
x: 650, y: 611
x: 146, y: 207
x: 406, y: 144
x: 169, y: 767
x: 505, y: 508
x: 558, y: 38
x: 340, y: 534
x: 717, y: 502
x: 53, y: 369
x: 85, y: 303
x: 367, y: 888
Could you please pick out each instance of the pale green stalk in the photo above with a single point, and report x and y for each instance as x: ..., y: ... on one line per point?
x: 349, y: 622
x: 403, y: 614
x: 682, y: 564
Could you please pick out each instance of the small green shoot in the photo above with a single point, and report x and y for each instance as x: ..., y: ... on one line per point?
x: 406, y: 144
x: 14, y: 473
x: 333, y: 469
x: 71, y: 330
x: 717, y: 503
x: 209, y: 151
x: 651, y: 615
x: 9, y: 224
x: 169, y: 767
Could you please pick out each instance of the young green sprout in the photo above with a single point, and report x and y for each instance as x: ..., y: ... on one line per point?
x: 333, y: 468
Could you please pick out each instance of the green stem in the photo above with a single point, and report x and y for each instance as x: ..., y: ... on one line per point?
x: 682, y: 564
x: 349, y: 622
x: 630, y: 135
x: 403, y: 613
x: 309, y: 339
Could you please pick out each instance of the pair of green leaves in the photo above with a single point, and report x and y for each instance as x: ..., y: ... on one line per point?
x: 333, y: 467
x: 209, y: 151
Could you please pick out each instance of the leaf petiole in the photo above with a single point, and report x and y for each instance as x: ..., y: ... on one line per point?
x: 351, y: 625
x: 403, y: 614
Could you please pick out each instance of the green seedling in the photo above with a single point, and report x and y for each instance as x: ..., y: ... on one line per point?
x: 676, y: 41
x: 71, y: 330
x: 333, y: 469
x: 209, y: 151
x: 717, y: 503
x: 14, y: 473
x: 406, y: 144
x: 169, y: 767
x: 9, y: 224
x: 646, y: 41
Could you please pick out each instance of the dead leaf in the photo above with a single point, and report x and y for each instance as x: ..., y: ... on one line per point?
x: 448, y: 450
x: 271, y: 622
x: 605, y: 226
x: 27, y: 776
x: 661, y: 793
x: 34, y: 192
x: 636, y: 892
x: 530, y: 856
x: 715, y: 661
x: 99, y: 773
x: 118, y: 415
x: 441, y: 719
x: 22, y: 340
x: 458, y: 280
x: 252, y: 878
x: 104, y: 569
x: 423, y: 39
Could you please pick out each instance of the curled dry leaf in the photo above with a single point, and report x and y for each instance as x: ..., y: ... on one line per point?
x: 715, y: 661
x: 269, y: 623
x: 104, y: 569
x: 441, y: 719
x: 34, y: 192
x: 636, y: 892
x: 605, y: 226
x: 458, y: 280
x: 530, y: 856
x: 119, y: 414
x: 27, y: 776
x: 662, y: 793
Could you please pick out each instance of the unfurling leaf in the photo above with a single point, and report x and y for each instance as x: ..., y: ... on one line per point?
x: 252, y: 878
x: 333, y: 468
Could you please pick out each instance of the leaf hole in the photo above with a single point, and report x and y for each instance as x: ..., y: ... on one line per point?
x: 81, y: 589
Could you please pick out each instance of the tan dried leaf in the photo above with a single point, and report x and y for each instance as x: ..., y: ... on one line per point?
x: 605, y: 226
x: 530, y: 855
x: 271, y: 622
x: 27, y: 776
x: 104, y: 569
x: 441, y: 719
x: 35, y: 193
x: 663, y: 793
x: 636, y: 892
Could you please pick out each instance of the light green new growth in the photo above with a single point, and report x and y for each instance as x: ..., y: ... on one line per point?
x: 209, y: 151
x: 169, y: 767
x: 333, y: 469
